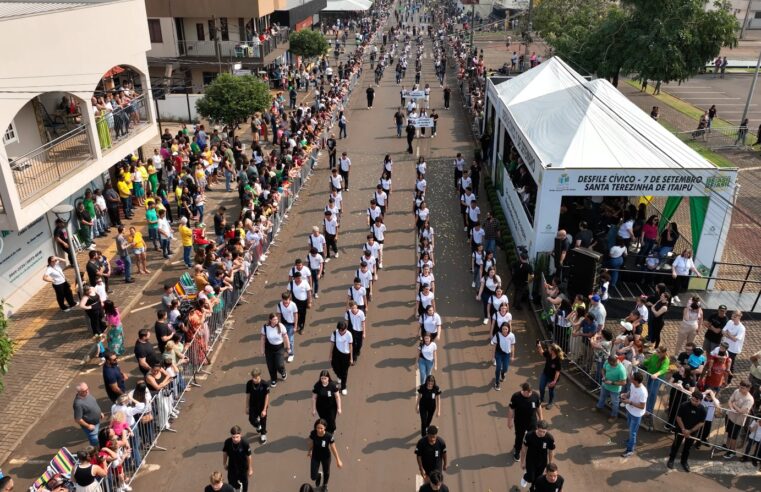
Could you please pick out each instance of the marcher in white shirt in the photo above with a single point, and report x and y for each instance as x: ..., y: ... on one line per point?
x: 317, y: 241
x: 289, y: 316
x: 341, y: 354
x: 504, y: 349
x: 330, y: 225
x: 358, y: 295
x: 301, y: 293
x: 274, y: 343
x: 316, y: 265
x: 355, y: 319
x: 344, y: 166
x: 379, y: 235
x: 336, y: 180
x: 306, y: 273
x: 430, y: 324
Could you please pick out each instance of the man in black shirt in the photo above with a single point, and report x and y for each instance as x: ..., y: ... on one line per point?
x: 410, y: 136
x: 399, y: 121
x: 219, y: 225
x: 435, y: 483
x: 216, y: 484
x: 370, y: 96
x: 61, y: 236
x: 431, y: 453
x: 144, y: 352
x: 689, y: 420
x: 236, y: 456
x: 163, y: 332
x: 523, y: 412
x: 520, y: 273
x: 257, y: 402
x: 331, y: 145
x: 584, y: 238
x: 714, y: 325
x: 93, y: 268
x: 551, y: 481
x: 537, y: 453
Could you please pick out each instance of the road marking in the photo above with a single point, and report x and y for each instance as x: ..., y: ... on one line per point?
x: 682, y: 91
x: 714, y: 99
x: 146, y: 307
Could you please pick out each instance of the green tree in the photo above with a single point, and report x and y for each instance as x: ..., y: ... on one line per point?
x: 307, y: 43
x: 231, y: 99
x: 6, y: 344
x: 666, y: 40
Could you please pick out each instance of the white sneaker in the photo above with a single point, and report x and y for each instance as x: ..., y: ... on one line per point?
x: 127, y: 488
x: 524, y: 483
x: 380, y: 265
x: 327, y: 260
x: 263, y: 438
x: 316, y: 296
x: 336, y: 255
x: 465, y: 229
x: 344, y: 392
x: 290, y: 358
x: 494, y: 362
x: 473, y: 284
x: 486, y: 321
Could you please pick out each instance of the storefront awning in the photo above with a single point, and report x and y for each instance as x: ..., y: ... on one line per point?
x: 347, y: 5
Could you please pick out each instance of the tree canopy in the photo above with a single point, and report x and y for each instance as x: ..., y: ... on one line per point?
x: 308, y: 43
x: 231, y: 99
x: 666, y: 40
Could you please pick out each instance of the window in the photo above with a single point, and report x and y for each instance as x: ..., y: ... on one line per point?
x: 199, y: 32
x: 154, y: 31
x: 208, y: 77
x: 223, y: 30
x: 757, y: 15
x: 10, y: 136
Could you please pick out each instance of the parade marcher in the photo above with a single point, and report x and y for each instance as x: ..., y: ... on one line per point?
x: 341, y: 356
x: 553, y: 355
x: 236, y: 458
x: 537, y: 453
x: 258, y: 402
x: 274, y: 343
x: 316, y: 264
x: 487, y: 289
x: 326, y: 400
x: 331, y: 226
x: 551, y: 481
x: 355, y: 318
x: 430, y: 324
x: 321, y: 448
x: 504, y: 351
x: 301, y: 293
x: 524, y: 410
x: 289, y: 316
x: 431, y: 452
x: 428, y: 402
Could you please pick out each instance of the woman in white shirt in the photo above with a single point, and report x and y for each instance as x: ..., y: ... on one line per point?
x: 616, y: 257
x: 504, y: 350
x: 423, y: 213
x: 430, y: 324
x: 680, y: 272
x: 427, y: 359
x: 274, y: 344
x: 489, y: 283
x: 477, y: 264
x: 421, y: 167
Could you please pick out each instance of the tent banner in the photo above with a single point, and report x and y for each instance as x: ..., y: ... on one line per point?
x: 521, y: 228
x: 638, y: 182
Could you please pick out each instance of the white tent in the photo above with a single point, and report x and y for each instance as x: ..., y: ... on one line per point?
x: 347, y: 5
x: 585, y: 138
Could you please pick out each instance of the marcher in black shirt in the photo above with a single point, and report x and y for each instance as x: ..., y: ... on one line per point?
x: 216, y: 484
x: 321, y: 446
x: 435, y: 483
x: 428, y: 401
x: 551, y: 481
x: 257, y: 402
x: 330, y: 143
x: 689, y: 420
x: 410, y: 136
x: 431, y: 453
x: 326, y: 400
x: 523, y: 412
x: 539, y: 450
x: 236, y: 456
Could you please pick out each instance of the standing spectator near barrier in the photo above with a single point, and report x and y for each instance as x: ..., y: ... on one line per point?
x: 613, y: 381
x: 523, y: 412
x: 738, y: 408
x: 680, y: 272
x: 87, y: 413
x: 635, y: 402
x: 690, y: 419
x: 657, y: 365
x: 236, y: 458
x: 692, y: 318
x: 274, y: 343
x: 714, y: 325
x: 55, y: 276
x: 553, y: 355
x: 186, y: 238
x: 734, y: 334
x: 123, y: 250
x: 521, y: 272
x: 537, y: 453
x: 258, y: 402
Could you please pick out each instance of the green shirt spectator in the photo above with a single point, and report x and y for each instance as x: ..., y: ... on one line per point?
x: 657, y: 364
x: 614, y: 374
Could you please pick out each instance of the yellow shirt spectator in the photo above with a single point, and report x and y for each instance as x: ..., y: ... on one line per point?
x: 123, y: 188
x: 137, y: 240
x: 143, y: 172
x: 186, y: 235
x: 128, y: 179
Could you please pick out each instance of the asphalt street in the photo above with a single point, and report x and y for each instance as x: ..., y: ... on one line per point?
x: 728, y: 94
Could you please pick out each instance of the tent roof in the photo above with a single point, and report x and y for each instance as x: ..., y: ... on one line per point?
x: 573, y: 123
x: 348, y: 5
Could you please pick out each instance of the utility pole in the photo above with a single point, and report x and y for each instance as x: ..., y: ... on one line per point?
x: 217, y: 46
x: 745, y: 20
x: 752, y: 89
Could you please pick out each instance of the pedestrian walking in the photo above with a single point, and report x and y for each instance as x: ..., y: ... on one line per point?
x: 435, y: 483
x: 301, y: 293
x: 613, y: 381
x: 410, y: 131
x: 344, y: 166
x: 551, y: 481
x: 487, y: 289
x: 399, y: 121
x: 427, y: 359
x: 431, y: 452
x: 274, y: 343
x: 355, y: 319
x: 635, y: 400
x: 317, y: 241
x: 237, y: 460
x: 342, y: 125
x: 537, y: 453
x: 504, y: 352
x: 316, y: 268
x: 523, y: 413
x: 326, y: 400
x: 430, y: 322
x: 447, y: 96
x: 341, y: 354
x: 428, y: 402
x: 321, y: 448
x: 370, y: 92
x: 331, y: 226
x: 55, y: 276
x: 553, y: 355
x: 217, y: 484
x: 257, y: 403
x: 289, y: 316
x: 690, y: 419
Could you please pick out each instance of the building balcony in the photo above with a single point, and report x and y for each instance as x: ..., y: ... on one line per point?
x: 254, y: 51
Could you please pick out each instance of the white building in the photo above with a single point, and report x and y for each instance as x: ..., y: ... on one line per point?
x: 56, y: 51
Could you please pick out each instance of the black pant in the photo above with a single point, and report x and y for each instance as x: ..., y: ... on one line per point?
x: 357, y: 345
x: 273, y: 354
x: 63, y: 292
x: 255, y: 418
x: 520, y: 433
x: 314, y: 468
x: 521, y: 294
x: 534, y: 469
x: 457, y: 176
x: 345, y: 176
x: 426, y: 416
x: 332, y: 159
x: 370, y: 101
x: 315, y: 280
x: 678, y: 438
x: 446, y: 102
x: 679, y: 285
x: 330, y: 243
x: 410, y: 138
x: 113, y: 215
x: 329, y: 416
x: 239, y: 480
x: 340, y: 364
x: 302, y: 307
